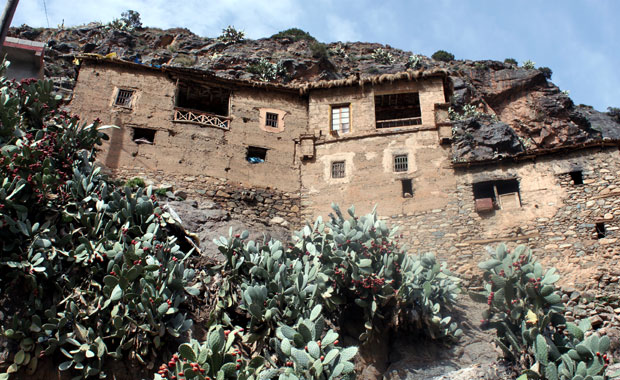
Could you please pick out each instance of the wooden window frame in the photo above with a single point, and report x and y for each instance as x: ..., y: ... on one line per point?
x: 333, y: 108
x: 270, y: 121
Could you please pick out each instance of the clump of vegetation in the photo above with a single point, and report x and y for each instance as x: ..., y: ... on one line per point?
x: 529, y: 65
x: 526, y: 310
x: 614, y: 112
x: 511, y: 61
x: 135, y: 183
x: 467, y: 111
x: 547, y: 72
x: 414, y: 61
x: 319, y: 50
x: 184, y: 60
x: 442, y: 55
x: 338, y: 50
x: 230, y: 35
x: 266, y: 70
x: 294, y: 34
x: 382, y: 56
x: 130, y: 20
x: 102, y: 275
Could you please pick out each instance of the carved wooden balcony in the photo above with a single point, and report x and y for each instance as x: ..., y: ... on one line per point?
x: 185, y: 115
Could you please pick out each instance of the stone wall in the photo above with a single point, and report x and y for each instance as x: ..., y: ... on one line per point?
x: 557, y: 218
x: 256, y: 204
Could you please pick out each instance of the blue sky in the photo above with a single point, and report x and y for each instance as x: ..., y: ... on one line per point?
x: 578, y: 39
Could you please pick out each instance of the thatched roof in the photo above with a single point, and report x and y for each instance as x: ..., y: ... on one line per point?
x: 302, y: 88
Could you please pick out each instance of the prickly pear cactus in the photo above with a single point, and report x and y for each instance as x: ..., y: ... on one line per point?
x: 526, y: 310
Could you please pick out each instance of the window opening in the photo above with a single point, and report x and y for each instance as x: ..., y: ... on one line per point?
x: 256, y: 155
x: 204, y: 98
x: 143, y: 135
x: 123, y: 98
x: 341, y: 119
x: 398, y: 110
x: 338, y: 169
x: 501, y: 194
x: 271, y: 120
x: 407, y: 186
x: 600, y: 230
x: 401, y: 163
x: 577, y: 177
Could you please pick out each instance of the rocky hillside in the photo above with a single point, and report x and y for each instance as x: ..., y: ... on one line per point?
x: 518, y: 111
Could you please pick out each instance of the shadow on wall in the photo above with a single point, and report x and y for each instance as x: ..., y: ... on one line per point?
x: 116, y: 145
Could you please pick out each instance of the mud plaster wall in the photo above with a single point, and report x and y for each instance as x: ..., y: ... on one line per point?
x: 191, y: 149
x: 362, y: 105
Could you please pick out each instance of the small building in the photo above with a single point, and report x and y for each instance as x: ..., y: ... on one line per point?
x: 26, y: 58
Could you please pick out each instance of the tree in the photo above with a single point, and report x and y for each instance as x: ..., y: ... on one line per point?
x: 442, y: 55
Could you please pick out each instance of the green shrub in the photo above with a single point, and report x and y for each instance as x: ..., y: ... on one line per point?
x: 529, y: 65
x: 294, y: 34
x: 230, y: 35
x: 319, y: 50
x: 382, y: 56
x: 526, y: 310
x: 101, y: 275
x: 511, y: 61
x: 547, y: 72
x: 129, y: 21
x: 414, y: 61
x: 266, y: 70
x: 442, y: 55
x: 135, y: 182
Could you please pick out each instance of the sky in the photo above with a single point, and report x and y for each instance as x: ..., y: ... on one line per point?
x: 578, y: 39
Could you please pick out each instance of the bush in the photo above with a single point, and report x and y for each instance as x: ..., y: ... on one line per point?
x: 266, y: 70
x: 135, y: 182
x: 230, y: 35
x: 529, y: 65
x: 130, y: 20
x: 319, y: 50
x: 442, y: 55
x: 547, y: 72
x: 100, y: 273
x: 414, y: 61
x: 382, y: 56
x: 294, y: 34
x: 511, y: 61
x: 526, y: 310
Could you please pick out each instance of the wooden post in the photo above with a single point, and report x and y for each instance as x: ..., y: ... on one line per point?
x: 7, y: 17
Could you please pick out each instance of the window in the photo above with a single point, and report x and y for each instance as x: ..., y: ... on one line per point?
x: 143, y: 135
x: 398, y: 110
x: 500, y: 194
x: 271, y: 120
x: 407, y: 188
x: 401, y: 163
x: 600, y: 230
x: 256, y: 155
x: 338, y: 169
x: 577, y: 177
x: 123, y: 98
x: 341, y: 119
x: 199, y: 97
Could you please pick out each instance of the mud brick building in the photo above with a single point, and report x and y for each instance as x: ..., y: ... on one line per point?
x: 285, y: 152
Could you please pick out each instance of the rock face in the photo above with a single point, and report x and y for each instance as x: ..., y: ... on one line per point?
x: 541, y: 116
x: 478, y: 139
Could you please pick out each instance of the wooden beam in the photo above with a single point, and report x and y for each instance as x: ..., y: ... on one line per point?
x: 612, y: 194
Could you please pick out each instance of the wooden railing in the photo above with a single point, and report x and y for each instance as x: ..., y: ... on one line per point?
x: 185, y: 115
x: 399, y: 122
